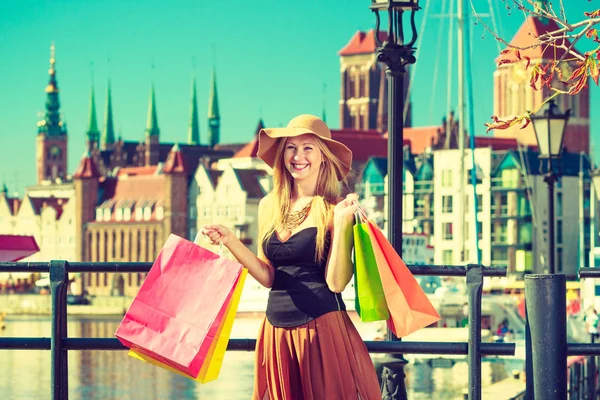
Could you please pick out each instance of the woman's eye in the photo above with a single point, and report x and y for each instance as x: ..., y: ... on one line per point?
x: 307, y: 148
x: 290, y: 148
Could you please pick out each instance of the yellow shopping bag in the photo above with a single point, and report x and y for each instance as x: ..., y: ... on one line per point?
x: 214, y: 358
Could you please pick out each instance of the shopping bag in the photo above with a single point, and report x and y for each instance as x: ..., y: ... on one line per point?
x: 214, y: 358
x: 409, y: 306
x: 369, y: 300
x: 177, y: 312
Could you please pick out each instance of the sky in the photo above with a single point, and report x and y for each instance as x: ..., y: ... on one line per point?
x: 274, y: 59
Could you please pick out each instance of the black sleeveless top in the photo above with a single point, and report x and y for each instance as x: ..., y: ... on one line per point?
x: 299, y: 293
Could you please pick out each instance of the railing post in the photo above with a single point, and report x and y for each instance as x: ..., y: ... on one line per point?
x: 545, y: 300
x: 474, y: 287
x: 591, y: 374
x: 59, y: 370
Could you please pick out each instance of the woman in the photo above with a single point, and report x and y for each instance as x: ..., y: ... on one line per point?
x: 307, y: 346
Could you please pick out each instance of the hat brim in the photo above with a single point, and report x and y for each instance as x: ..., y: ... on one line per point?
x: 268, y: 139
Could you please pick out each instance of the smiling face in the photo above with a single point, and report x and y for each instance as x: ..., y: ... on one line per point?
x: 302, y: 157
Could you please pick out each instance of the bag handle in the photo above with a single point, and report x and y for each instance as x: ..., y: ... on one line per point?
x: 198, y: 239
x: 360, y: 215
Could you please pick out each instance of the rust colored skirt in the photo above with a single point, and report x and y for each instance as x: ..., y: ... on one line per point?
x: 322, y: 359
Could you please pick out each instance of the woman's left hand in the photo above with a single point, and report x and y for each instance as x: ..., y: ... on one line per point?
x: 345, y: 209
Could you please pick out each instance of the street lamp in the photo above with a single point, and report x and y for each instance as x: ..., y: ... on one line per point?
x: 395, y: 52
x: 549, y: 126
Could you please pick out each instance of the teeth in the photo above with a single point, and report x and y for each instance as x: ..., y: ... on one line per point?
x: 299, y: 167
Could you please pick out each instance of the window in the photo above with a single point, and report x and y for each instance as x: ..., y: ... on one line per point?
x: 193, y: 212
x: 119, y: 214
x: 559, y: 230
x: 559, y: 260
x: 147, y: 213
x: 447, y: 178
x: 447, y: 204
x: 469, y: 230
x: 510, y: 178
x: 447, y: 257
x: 559, y: 204
x: 470, y: 203
x: 138, y: 213
x: 447, y: 231
x: 98, y: 214
x: 127, y: 214
x: 160, y: 213
x: 107, y: 214
x: 500, y: 257
x: 207, y: 212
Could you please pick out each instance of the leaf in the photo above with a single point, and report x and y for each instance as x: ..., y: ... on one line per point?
x: 500, y: 124
x: 528, y: 61
x: 527, y: 122
x: 593, y: 14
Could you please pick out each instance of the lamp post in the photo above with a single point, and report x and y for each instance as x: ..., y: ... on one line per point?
x: 395, y: 52
x: 549, y: 126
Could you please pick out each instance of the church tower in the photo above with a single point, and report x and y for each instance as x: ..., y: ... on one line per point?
x: 513, y: 94
x: 51, y: 142
x: 151, y: 153
x: 364, y: 91
x: 214, y: 118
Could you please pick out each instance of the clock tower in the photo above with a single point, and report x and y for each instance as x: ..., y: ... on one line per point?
x: 51, y: 146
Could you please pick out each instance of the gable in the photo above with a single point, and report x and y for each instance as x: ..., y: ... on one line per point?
x: 425, y: 172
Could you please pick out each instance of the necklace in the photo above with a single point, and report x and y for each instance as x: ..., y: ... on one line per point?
x: 294, y: 218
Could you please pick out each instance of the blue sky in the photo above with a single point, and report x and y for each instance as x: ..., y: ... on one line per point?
x: 273, y: 60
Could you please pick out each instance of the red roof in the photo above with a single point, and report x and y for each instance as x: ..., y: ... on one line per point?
x: 14, y: 248
x: 134, y: 188
x: 249, y: 150
x: 527, y: 36
x: 420, y: 138
x: 177, y: 163
x: 364, y: 144
x: 495, y: 143
x: 134, y: 171
x: 86, y: 169
x: 57, y: 203
x: 362, y: 43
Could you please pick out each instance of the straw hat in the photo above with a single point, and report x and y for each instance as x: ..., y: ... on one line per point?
x: 300, y: 125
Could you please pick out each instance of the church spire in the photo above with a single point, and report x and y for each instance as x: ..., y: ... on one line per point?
x: 51, y: 125
x: 93, y: 134
x: 152, y: 123
x: 194, y: 128
x: 214, y: 119
x: 108, y: 135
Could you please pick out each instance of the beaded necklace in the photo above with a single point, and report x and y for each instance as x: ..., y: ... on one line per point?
x: 293, y: 219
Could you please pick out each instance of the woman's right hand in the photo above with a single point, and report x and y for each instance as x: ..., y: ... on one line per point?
x: 218, y: 234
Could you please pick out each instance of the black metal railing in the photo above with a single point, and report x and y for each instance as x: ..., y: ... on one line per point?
x: 59, y: 343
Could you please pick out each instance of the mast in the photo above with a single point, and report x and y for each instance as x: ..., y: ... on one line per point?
x: 461, y: 129
x: 464, y: 32
x: 581, y: 214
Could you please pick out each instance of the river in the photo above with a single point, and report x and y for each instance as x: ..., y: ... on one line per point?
x: 25, y: 374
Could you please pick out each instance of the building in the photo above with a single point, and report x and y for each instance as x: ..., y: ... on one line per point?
x: 363, y: 103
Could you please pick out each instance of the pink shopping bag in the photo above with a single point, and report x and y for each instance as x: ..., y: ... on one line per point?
x: 177, y: 312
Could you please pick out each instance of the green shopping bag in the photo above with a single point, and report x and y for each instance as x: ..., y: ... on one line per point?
x: 370, y: 301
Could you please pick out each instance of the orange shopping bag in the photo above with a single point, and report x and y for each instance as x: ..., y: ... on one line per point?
x: 409, y: 306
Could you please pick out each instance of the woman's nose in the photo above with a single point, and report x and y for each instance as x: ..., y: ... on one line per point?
x: 296, y: 157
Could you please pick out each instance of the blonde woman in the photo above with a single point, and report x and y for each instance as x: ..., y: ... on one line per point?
x: 307, y: 346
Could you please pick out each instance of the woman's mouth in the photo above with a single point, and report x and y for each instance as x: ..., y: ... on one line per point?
x: 299, y: 167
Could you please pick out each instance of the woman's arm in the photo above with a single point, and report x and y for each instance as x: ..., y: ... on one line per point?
x: 260, y: 269
x: 339, y: 269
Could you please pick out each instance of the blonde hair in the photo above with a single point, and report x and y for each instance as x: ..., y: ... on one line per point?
x: 327, y: 193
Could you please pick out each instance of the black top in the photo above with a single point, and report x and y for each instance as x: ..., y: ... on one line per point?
x: 299, y: 293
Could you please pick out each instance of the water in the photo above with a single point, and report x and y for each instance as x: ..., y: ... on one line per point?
x: 25, y: 374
